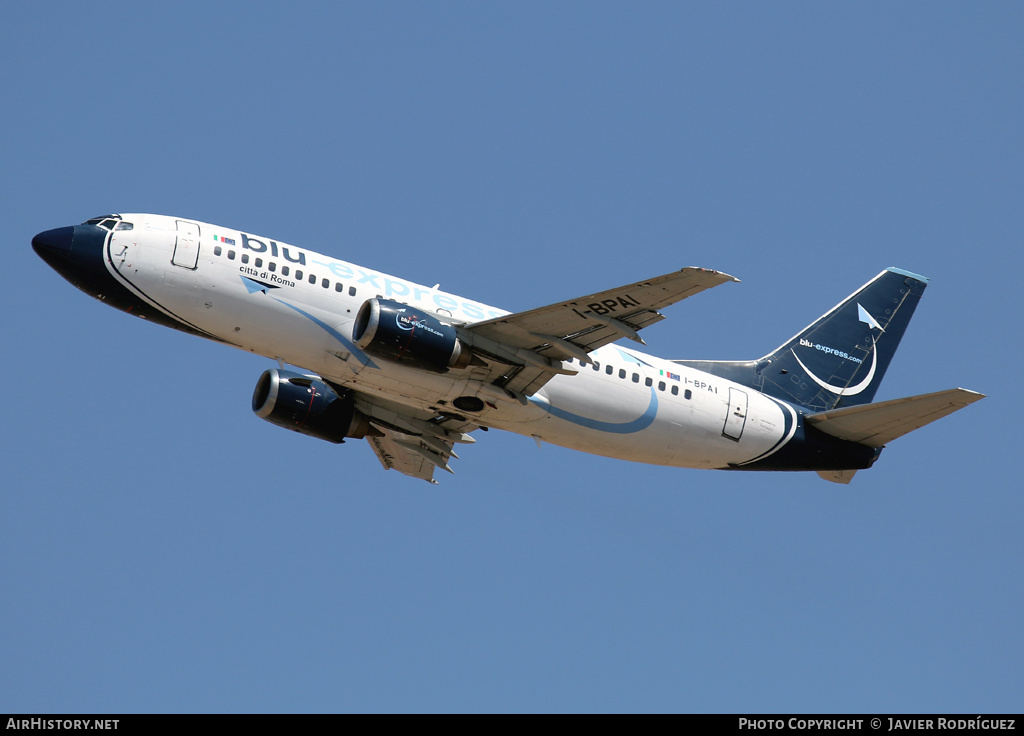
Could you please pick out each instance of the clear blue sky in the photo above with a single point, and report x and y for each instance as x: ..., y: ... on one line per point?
x: 162, y: 549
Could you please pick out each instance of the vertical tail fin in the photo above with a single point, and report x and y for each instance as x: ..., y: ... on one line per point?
x: 840, y: 359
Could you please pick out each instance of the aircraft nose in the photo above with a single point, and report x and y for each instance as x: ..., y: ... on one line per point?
x: 54, y: 244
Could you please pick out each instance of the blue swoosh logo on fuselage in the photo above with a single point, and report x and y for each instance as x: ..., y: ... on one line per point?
x: 360, y: 355
x: 639, y: 424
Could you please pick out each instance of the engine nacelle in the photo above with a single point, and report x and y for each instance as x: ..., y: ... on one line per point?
x: 397, y: 332
x: 306, y: 405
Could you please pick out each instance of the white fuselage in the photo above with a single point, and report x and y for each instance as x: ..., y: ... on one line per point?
x: 298, y: 306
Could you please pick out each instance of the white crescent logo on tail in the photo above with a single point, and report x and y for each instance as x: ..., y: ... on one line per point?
x: 839, y: 390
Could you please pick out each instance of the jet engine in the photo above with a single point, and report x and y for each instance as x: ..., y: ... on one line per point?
x: 397, y: 332
x: 304, y: 404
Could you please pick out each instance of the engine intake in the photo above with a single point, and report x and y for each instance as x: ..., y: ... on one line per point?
x: 304, y: 404
x: 402, y: 334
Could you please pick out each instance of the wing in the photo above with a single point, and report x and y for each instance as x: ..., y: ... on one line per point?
x: 523, y: 351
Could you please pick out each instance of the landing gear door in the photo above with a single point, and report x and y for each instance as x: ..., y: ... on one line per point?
x: 736, y: 417
x: 186, y: 247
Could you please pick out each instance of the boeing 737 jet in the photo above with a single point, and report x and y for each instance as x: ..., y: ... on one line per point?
x: 415, y: 370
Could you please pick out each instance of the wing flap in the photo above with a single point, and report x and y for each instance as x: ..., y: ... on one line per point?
x: 877, y: 424
x: 412, y: 441
x: 409, y: 455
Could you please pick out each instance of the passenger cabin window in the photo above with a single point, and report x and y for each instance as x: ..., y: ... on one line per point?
x: 351, y: 291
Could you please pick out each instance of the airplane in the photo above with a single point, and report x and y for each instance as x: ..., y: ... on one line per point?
x: 415, y: 370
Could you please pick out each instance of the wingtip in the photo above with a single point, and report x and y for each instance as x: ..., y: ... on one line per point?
x: 721, y: 274
x: 972, y: 396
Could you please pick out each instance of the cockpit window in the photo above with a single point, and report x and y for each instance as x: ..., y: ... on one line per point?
x: 107, y: 222
x: 124, y: 226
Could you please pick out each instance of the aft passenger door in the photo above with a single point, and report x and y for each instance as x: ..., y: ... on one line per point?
x: 186, y: 247
x: 736, y: 414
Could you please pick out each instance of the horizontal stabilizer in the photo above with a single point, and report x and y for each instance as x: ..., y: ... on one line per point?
x: 877, y: 424
x: 837, y: 476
